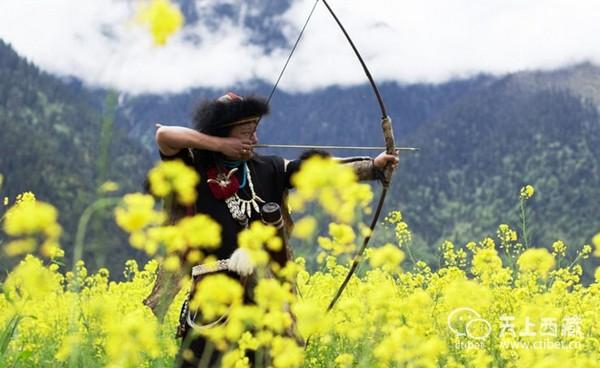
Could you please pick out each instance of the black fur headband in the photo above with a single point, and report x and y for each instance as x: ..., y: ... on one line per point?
x: 216, y: 117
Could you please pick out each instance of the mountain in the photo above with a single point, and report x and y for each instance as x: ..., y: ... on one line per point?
x: 51, y: 144
x: 261, y: 19
x: 480, y: 141
x: 532, y: 128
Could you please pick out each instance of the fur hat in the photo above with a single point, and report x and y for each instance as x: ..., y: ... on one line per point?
x: 216, y: 117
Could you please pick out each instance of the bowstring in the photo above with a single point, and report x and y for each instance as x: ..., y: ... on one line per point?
x: 292, y: 52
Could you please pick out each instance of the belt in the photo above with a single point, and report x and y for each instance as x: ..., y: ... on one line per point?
x: 220, y: 265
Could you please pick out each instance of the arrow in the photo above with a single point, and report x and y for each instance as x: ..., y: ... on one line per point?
x: 304, y: 146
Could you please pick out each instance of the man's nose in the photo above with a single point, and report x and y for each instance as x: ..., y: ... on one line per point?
x: 254, y: 139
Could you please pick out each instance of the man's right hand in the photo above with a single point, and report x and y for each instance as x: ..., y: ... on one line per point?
x: 235, y: 148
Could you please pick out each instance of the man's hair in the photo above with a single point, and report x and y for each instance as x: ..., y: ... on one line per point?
x: 214, y: 117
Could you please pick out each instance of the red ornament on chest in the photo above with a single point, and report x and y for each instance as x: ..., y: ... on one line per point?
x: 222, y: 185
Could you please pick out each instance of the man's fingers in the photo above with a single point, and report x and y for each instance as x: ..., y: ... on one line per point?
x: 157, y: 125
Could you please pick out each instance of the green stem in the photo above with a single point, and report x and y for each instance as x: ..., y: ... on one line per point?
x: 410, y: 255
x: 523, y: 223
x: 77, y: 254
x: 83, y: 223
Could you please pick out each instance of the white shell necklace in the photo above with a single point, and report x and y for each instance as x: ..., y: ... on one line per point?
x: 241, y: 209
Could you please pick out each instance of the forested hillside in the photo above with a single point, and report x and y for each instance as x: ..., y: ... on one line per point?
x: 480, y: 140
x: 478, y: 153
x: 51, y: 145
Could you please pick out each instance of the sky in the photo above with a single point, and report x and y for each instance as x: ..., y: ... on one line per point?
x: 404, y: 41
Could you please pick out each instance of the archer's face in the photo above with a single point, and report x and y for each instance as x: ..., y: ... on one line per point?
x: 246, y: 133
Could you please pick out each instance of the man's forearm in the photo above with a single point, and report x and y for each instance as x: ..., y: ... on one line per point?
x: 171, y: 139
x: 365, y: 170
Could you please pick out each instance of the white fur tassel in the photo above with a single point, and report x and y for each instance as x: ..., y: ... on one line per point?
x: 241, y: 263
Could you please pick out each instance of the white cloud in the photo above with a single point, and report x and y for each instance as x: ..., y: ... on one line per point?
x: 402, y: 40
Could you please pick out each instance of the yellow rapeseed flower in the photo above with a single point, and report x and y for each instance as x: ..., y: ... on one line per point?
x: 25, y: 197
x: 388, y: 257
x: 537, y: 260
x: 333, y: 185
x: 20, y: 246
x: 256, y: 239
x: 394, y: 217
x: 342, y: 233
x: 172, y: 263
x: 305, y: 227
x: 162, y: 17
x: 286, y: 353
x: 200, y: 231
x: 108, y: 186
x: 344, y: 360
x: 402, y: 232
x: 137, y: 212
x: 174, y: 177
x: 30, y: 279
x: 596, y: 242
x: 559, y: 248
x: 527, y: 192
x: 506, y: 234
x: 216, y: 294
x: 30, y: 218
x: 270, y: 294
x: 235, y: 359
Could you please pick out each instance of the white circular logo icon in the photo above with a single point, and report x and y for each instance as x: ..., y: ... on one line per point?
x: 470, y: 330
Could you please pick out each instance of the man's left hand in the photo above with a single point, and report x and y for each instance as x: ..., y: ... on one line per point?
x: 383, y: 159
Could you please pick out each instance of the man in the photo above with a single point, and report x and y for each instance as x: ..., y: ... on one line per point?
x: 235, y: 182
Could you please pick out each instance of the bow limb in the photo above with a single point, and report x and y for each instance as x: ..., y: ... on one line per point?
x: 388, y: 135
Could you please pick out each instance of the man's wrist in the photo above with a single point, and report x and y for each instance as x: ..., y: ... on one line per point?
x: 215, y: 143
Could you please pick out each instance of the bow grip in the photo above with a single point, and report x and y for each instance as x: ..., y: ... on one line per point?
x: 390, y: 148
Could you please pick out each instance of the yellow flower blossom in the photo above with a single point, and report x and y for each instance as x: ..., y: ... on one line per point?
x: 389, y: 257
x: 286, y: 353
x: 537, y: 260
x: 305, y: 227
x: 235, y: 359
x: 174, y: 177
x: 31, y: 217
x: 403, y: 234
x: 108, y: 187
x: 137, y: 212
x: 20, y: 246
x: 200, y: 231
x: 344, y: 360
x: 332, y: 185
x: 394, y: 217
x: 162, y: 17
x: 172, y: 263
x: 559, y: 248
x: 596, y: 242
x: 506, y: 234
x: 30, y: 279
x: 25, y: 197
x: 527, y: 192
x: 256, y: 239
x: 215, y: 295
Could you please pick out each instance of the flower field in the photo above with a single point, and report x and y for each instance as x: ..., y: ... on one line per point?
x: 494, y: 302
